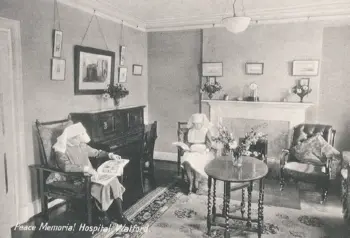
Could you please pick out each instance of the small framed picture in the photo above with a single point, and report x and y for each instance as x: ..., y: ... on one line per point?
x: 304, y: 82
x: 122, y: 50
x: 211, y: 80
x: 58, y: 69
x: 305, y: 67
x: 137, y: 69
x: 212, y: 69
x: 123, y: 71
x: 57, y: 43
x: 254, y: 68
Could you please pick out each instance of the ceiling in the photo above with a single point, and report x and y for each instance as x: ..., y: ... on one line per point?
x: 161, y: 15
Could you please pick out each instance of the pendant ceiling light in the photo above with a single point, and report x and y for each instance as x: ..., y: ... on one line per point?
x: 236, y: 24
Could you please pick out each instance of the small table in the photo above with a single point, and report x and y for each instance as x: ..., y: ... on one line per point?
x: 222, y: 169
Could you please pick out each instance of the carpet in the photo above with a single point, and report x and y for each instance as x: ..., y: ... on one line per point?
x: 178, y: 215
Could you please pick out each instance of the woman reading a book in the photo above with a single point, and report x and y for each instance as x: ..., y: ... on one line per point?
x: 72, y: 155
x: 199, y: 154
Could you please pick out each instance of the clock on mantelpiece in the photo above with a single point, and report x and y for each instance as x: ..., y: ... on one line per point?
x: 253, y: 93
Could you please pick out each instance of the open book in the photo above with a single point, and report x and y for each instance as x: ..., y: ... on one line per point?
x: 109, y: 170
x: 201, y: 148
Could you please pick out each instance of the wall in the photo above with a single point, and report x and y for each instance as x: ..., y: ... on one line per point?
x: 51, y: 100
x: 173, y: 60
x: 335, y: 84
x: 274, y: 45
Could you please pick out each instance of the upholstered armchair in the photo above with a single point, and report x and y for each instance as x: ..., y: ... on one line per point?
x: 319, y: 164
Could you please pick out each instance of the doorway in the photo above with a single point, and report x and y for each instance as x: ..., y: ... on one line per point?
x: 11, y: 125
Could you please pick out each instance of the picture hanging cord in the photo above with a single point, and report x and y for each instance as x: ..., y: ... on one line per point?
x: 121, y: 33
x: 99, y: 28
x: 55, y: 8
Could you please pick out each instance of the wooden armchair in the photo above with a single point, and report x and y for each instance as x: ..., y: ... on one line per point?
x: 182, y: 132
x: 150, y: 137
x: 320, y: 173
x: 47, y: 136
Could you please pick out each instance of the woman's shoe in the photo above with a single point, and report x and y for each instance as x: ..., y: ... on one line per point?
x: 124, y: 221
x: 104, y: 219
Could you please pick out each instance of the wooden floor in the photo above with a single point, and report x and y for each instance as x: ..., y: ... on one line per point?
x: 165, y: 173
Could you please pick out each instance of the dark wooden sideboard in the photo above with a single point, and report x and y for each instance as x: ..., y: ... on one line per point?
x: 120, y: 131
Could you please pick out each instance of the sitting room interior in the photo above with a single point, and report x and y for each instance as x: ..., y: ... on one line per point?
x: 242, y: 63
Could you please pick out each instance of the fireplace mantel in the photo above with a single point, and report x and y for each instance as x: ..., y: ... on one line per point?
x: 293, y: 112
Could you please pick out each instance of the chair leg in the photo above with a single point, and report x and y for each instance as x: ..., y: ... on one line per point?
x: 43, y: 198
x: 325, y: 193
x: 282, y: 180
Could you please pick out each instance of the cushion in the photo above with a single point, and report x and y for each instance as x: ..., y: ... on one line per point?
x: 314, y: 150
x: 307, y: 172
x: 48, y: 135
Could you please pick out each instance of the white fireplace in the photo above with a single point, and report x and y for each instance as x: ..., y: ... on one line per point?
x: 238, y: 113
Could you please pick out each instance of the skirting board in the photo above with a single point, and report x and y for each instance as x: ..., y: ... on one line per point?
x: 168, y: 156
x: 34, y: 208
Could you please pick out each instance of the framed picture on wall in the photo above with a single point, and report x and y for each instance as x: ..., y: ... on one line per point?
x: 122, y: 52
x: 58, y: 69
x: 212, y: 69
x: 211, y: 80
x: 305, y: 68
x: 254, y: 68
x: 93, y: 70
x: 57, y: 43
x: 137, y: 69
x: 123, y: 71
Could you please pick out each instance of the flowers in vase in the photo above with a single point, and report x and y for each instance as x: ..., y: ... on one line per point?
x: 237, y: 149
x: 116, y: 91
x: 301, y: 90
x: 211, y: 88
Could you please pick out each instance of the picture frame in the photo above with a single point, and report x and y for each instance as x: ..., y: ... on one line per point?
x: 58, y: 69
x: 304, y: 82
x: 137, y: 69
x: 211, y: 80
x: 123, y: 72
x: 305, y: 67
x: 122, y: 52
x: 254, y: 68
x: 212, y: 69
x: 57, y: 43
x: 93, y: 70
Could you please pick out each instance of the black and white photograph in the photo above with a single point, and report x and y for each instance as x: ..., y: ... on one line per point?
x: 94, y: 69
x: 175, y: 119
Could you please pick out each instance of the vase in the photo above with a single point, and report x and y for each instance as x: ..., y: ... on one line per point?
x: 210, y: 95
x: 236, y: 160
x: 116, y: 101
x: 301, y: 98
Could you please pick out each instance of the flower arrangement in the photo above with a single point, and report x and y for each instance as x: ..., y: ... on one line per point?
x: 230, y: 145
x: 301, y: 91
x: 116, y: 92
x: 211, y: 88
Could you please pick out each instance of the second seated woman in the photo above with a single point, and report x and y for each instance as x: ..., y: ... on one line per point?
x: 200, y: 154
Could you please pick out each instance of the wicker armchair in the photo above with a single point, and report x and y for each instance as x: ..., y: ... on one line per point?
x: 47, y: 136
x: 320, y: 174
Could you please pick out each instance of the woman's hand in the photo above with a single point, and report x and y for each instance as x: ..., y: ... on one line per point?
x: 91, y: 171
x: 114, y: 156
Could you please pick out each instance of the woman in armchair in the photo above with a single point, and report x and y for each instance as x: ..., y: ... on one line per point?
x: 72, y: 155
x: 199, y: 155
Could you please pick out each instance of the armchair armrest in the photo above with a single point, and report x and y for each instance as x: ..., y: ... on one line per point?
x: 284, y: 157
x: 45, y: 168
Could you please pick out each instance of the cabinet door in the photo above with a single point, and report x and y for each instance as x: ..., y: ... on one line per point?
x: 135, y: 119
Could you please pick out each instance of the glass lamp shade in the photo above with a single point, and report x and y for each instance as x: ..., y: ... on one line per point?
x: 236, y: 24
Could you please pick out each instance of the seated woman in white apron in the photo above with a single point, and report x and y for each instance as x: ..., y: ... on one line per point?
x: 199, y: 155
x: 72, y: 155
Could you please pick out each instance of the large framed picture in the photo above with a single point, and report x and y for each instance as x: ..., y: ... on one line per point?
x: 93, y: 71
x: 212, y: 69
x: 57, y: 43
x: 58, y: 69
x: 254, y: 68
x: 305, y: 67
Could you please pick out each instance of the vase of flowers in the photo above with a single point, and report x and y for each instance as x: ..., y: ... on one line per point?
x: 235, y: 149
x: 301, y: 91
x: 211, y: 88
x: 116, y: 92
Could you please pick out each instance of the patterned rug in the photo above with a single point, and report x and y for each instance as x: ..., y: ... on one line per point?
x: 180, y: 215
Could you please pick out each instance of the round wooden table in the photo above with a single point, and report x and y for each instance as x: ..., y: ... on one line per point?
x: 222, y: 168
